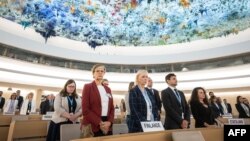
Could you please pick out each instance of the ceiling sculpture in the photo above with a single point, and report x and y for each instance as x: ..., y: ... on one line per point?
x: 130, y: 22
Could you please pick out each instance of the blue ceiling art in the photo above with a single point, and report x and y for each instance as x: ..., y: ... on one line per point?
x: 130, y: 22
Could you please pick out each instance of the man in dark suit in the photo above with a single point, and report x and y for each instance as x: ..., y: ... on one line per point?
x: 156, y: 96
x: 219, y: 102
x: 47, y: 105
x: 19, y: 98
x: 228, y: 105
x: 217, y: 110
x: 2, y: 100
x: 175, y: 105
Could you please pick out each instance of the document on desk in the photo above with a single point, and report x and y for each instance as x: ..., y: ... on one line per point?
x: 187, y: 136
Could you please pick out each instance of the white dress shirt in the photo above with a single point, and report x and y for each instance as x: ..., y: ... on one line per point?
x: 104, y: 100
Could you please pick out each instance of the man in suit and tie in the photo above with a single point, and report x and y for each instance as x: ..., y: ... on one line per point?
x: 19, y: 98
x: 47, y: 105
x: 156, y: 96
x: 2, y: 100
x: 175, y: 105
x: 228, y: 106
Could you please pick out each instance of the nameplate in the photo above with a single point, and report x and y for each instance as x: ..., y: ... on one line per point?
x: 8, y: 113
x: 46, y: 117
x: 236, y: 121
x: 34, y: 113
x: 49, y: 113
x: 152, y: 126
x: 227, y: 115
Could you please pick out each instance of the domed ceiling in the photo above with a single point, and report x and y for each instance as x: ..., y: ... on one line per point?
x: 130, y: 22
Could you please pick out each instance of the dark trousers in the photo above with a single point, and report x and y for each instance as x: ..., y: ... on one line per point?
x: 128, y: 122
x: 100, y: 133
x: 54, y: 130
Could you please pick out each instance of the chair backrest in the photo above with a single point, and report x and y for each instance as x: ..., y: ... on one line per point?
x: 120, y: 129
x: 28, y: 129
x: 5, y: 120
x: 69, y: 132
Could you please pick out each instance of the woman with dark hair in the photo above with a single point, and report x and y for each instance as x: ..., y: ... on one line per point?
x: 67, y: 107
x: 200, y: 108
x: 244, y: 111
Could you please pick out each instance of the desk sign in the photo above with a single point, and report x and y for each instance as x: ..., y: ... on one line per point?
x: 49, y: 113
x: 227, y: 115
x: 236, y: 121
x: 236, y: 132
x: 34, y: 113
x: 8, y: 113
x: 152, y: 126
x: 46, y: 117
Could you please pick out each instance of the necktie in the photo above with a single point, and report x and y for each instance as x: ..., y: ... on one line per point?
x: 177, y: 95
x: 152, y: 91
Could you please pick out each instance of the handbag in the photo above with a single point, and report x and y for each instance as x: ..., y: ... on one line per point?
x: 86, y: 131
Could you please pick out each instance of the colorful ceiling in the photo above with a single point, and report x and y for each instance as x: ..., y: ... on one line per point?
x: 130, y: 22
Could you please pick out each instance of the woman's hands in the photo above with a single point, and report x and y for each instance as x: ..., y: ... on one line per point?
x: 104, y: 126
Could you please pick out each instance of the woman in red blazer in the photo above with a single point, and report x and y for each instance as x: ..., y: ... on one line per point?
x: 97, y: 104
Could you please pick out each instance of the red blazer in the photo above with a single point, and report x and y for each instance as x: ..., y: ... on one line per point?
x: 92, y: 107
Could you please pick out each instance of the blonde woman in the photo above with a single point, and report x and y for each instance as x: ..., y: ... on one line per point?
x: 11, y: 104
x: 29, y: 105
x: 142, y: 103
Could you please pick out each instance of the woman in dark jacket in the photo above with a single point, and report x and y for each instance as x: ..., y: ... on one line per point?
x: 142, y: 103
x: 244, y: 111
x: 200, y: 108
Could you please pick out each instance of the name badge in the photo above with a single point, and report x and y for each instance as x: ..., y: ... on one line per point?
x: 152, y: 126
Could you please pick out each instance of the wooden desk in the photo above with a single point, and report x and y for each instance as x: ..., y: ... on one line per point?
x: 209, y: 134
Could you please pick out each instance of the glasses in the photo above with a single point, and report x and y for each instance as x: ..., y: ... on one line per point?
x: 71, y: 86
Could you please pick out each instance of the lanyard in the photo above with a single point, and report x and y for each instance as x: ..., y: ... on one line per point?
x: 29, y: 105
x: 145, y: 95
x: 147, y: 98
x: 71, y: 104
